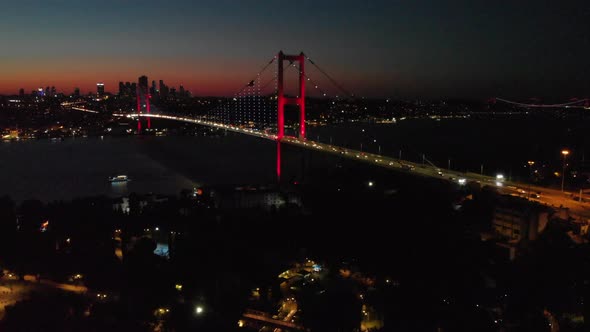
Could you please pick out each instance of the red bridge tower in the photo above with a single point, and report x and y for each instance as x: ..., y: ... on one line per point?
x: 282, y: 100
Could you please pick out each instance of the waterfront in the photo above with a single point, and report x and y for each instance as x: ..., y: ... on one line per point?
x: 77, y: 167
x: 503, y: 144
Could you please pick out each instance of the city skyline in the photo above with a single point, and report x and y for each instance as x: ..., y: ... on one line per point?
x: 377, y: 49
x: 319, y: 165
x: 99, y: 88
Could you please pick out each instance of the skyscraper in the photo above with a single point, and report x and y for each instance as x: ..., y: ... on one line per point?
x: 163, y: 90
x: 21, y: 92
x: 100, y: 89
x: 153, y: 89
x: 143, y: 99
x: 142, y: 83
x: 76, y: 92
x: 122, y: 91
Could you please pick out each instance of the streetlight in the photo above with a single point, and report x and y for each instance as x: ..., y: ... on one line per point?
x: 199, y: 310
x: 564, y: 153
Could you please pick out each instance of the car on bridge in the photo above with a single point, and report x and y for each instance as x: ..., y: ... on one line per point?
x: 408, y: 167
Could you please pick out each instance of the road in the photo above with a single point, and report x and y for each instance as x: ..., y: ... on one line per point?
x: 63, y: 286
x: 550, y: 197
x: 264, y: 319
x: 14, y: 290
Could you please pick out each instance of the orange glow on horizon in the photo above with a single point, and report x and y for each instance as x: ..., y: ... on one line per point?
x: 203, y: 77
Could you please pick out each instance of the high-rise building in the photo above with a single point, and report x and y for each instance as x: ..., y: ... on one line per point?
x: 142, y: 82
x: 76, y: 92
x: 21, y: 92
x: 181, y: 91
x: 122, y: 91
x: 100, y: 89
x: 163, y: 90
x: 153, y: 89
x: 53, y: 92
x: 143, y: 92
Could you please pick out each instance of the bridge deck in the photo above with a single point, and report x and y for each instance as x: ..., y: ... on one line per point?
x: 552, y: 197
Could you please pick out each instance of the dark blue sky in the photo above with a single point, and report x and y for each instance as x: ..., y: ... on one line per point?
x: 432, y: 48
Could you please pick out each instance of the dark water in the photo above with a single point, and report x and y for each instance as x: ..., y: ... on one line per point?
x: 166, y: 165
x: 501, y: 144
x: 81, y: 166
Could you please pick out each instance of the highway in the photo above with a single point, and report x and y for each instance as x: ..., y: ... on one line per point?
x: 550, y: 197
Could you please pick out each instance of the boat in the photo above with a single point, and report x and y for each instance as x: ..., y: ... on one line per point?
x: 118, y: 178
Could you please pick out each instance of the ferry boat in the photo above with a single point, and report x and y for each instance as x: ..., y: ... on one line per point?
x: 118, y: 178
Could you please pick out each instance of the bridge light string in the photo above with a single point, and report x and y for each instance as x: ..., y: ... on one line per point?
x: 332, y: 80
x: 543, y: 105
x: 241, y: 99
x: 248, y: 106
x: 248, y: 112
x: 234, y: 103
x: 256, y: 102
x: 252, y: 104
x: 244, y: 105
x: 259, y: 107
x: 334, y: 100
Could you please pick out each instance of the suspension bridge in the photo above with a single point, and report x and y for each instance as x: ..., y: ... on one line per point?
x: 575, y: 103
x: 259, y: 109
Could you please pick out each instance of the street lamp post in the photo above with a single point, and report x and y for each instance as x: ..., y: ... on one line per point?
x: 564, y: 153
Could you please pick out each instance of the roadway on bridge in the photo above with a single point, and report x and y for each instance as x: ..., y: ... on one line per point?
x: 550, y: 197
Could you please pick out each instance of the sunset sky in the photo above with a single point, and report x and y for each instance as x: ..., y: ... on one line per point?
x: 376, y: 47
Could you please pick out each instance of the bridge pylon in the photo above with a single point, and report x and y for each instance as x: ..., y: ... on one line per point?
x: 147, y: 96
x: 282, y: 100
